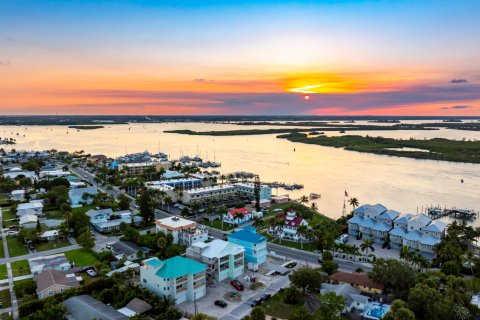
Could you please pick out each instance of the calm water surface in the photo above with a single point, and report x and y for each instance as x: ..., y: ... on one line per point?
x: 402, y: 184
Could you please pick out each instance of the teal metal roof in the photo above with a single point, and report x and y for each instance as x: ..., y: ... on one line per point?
x: 247, y: 236
x: 175, y: 267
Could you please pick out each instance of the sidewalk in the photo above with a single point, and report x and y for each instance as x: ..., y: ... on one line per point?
x: 38, y: 254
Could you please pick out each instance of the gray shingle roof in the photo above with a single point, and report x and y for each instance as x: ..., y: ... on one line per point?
x: 85, y: 307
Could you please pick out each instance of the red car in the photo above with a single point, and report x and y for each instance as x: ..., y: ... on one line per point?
x: 237, y: 285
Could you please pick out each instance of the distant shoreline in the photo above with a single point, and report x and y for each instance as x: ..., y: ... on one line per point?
x: 432, y: 149
x: 86, y: 127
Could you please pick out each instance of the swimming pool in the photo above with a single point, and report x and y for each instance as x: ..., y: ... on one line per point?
x: 375, y: 310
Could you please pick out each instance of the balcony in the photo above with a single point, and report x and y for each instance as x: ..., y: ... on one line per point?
x: 198, y: 276
x: 183, y: 289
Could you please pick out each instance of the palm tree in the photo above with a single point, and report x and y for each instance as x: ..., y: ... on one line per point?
x: 222, y: 179
x: 367, y: 245
x: 405, y: 253
x: 302, y: 231
x: 257, y: 222
x: 303, y: 200
x: 423, y: 263
x: 469, y: 259
x: 314, y: 206
x: 238, y: 216
x: 353, y: 202
x: 279, y: 224
x: 386, y: 241
x: 161, y: 243
x: 196, y: 209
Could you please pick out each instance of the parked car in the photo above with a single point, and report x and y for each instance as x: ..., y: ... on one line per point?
x: 342, y: 239
x: 109, y: 247
x: 220, y: 303
x: 320, y: 260
x: 11, y: 233
x: 256, y: 302
x: 291, y: 265
x: 91, y: 273
x: 266, y: 296
x: 237, y: 285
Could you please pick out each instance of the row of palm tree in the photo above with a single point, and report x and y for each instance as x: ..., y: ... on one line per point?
x: 414, y: 258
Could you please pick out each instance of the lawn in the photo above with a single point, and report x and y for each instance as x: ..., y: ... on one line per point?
x: 54, y: 213
x: 275, y: 307
x: 15, y: 248
x: 42, y: 246
x: 82, y: 257
x: 7, y: 214
x: 3, y: 272
x: 2, y: 250
x: 20, y: 268
x: 217, y: 224
x: 84, y: 209
x: 292, y: 244
x: 5, y: 298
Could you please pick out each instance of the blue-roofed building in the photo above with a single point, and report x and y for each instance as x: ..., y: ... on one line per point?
x: 76, y: 196
x: 388, y: 217
x: 417, y: 232
x: 396, y: 237
x: 114, y: 165
x: 254, y: 244
x: 177, y: 278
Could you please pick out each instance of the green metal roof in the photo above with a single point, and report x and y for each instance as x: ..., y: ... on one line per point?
x: 176, y: 267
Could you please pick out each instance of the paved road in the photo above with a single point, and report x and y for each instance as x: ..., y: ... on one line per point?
x: 114, y: 192
x: 13, y: 297
x: 291, y: 253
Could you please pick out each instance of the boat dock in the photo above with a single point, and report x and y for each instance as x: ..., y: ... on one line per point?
x: 463, y: 214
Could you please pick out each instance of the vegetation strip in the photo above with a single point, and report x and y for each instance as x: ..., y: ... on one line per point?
x: 437, y: 149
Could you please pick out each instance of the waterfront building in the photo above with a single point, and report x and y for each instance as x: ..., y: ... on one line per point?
x: 183, y: 183
x: 225, y: 260
x: 418, y: 232
x: 289, y: 229
x: 177, y: 278
x: 139, y: 168
x: 248, y: 190
x: 184, y: 231
x: 254, y: 244
x: 225, y: 192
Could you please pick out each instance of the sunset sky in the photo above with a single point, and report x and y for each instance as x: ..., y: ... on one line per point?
x: 240, y: 57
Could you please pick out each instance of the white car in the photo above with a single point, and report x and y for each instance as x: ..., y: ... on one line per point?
x: 11, y: 233
x: 91, y: 273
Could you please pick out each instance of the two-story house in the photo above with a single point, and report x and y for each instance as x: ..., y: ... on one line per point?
x: 177, y: 278
x: 290, y: 227
x: 184, y: 231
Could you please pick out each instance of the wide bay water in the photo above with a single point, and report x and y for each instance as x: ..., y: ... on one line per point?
x: 403, y: 184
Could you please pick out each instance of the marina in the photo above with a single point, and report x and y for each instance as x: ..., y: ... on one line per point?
x: 461, y: 214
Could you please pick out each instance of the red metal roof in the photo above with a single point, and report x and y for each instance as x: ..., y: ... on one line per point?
x: 233, y: 211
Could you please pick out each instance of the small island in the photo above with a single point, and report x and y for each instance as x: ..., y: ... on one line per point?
x: 433, y: 149
x: 86, y: 127
x: 7, y: 141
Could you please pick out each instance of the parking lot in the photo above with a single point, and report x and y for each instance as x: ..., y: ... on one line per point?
x: 241, y: 307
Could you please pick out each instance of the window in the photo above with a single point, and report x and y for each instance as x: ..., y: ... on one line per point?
x: 144, y: 280
x: 50, y: 293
